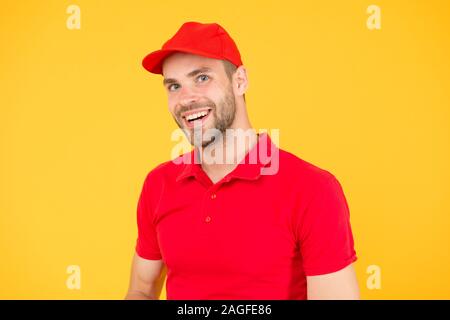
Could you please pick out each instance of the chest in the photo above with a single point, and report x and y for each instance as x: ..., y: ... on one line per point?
x: 218, y: 230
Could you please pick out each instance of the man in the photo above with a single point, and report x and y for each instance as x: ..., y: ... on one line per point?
x: 261, y: 225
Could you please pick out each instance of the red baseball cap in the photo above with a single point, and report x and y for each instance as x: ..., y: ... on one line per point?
x: 204, y: 39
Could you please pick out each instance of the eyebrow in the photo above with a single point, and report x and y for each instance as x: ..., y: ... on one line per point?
x: 189, y: 75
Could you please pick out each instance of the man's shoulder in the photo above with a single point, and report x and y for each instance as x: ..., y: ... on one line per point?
x: 300, y: 170
x: 169, y: 169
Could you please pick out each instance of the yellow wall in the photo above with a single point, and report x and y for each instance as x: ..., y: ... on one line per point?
x: 81, y: 123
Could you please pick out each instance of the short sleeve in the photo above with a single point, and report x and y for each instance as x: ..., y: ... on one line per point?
x: 147, y: 246
x: 325, y: 234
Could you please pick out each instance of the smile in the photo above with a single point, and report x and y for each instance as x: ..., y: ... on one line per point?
x: 192, y: 117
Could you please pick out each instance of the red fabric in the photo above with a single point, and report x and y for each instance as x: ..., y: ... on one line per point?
x: 249, y: 236
x: 204, y: 39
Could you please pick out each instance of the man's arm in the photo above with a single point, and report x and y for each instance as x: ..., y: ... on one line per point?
x: 146, y: 279
x: 340, y: 285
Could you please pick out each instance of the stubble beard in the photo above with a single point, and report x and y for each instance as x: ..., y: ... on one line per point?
x: 223, y: 116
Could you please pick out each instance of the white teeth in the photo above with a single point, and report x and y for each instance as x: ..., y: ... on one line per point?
x: 196, y: 115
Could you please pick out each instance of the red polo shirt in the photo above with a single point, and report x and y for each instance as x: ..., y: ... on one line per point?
x: 254, y: 234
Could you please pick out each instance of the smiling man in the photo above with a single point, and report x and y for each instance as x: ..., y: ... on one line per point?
x: 264, y: 224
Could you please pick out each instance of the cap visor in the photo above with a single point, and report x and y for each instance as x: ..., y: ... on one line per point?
x: 153, y: 61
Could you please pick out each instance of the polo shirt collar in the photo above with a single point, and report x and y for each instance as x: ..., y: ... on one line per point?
x: 249, y: 168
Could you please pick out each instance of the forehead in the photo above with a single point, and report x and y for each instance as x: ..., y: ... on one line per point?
x: 179, y: 64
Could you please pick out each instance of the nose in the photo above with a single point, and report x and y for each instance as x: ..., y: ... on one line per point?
x: 187, y: 96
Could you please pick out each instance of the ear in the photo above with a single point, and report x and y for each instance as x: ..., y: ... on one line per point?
x: 240, y: 81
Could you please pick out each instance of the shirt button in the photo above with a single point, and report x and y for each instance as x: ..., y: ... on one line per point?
x: 208, y: 219
x: 213, y: 196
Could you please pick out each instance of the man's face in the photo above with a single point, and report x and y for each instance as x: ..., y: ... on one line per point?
x: 200, y: 94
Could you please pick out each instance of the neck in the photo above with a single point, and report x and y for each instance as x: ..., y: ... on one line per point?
x: 223, y: 155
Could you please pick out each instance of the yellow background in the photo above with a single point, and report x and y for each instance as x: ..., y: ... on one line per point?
x: 82, y: 123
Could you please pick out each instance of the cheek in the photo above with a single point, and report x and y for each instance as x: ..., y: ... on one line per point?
x: 172, y: 112
x: 171, y: 106
x: 211, y: 94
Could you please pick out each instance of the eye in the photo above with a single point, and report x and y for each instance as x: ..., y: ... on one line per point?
x: 173, y: 87
x: 202, y: 77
